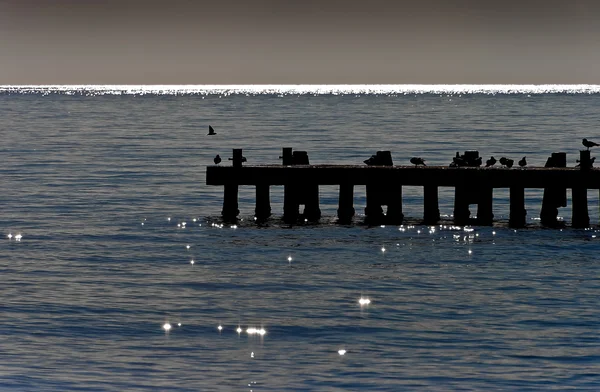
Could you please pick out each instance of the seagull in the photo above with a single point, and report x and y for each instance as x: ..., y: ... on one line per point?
x: 370, y: 161
x: 506, y: 162
x: 490, y: 162
x: 211, y: 131
x: 588, y: 143
x: 417, y: 161
x: 217, y: 159
x: 523, y: 162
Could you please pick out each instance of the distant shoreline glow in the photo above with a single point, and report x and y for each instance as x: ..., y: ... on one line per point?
x: 303, y: 89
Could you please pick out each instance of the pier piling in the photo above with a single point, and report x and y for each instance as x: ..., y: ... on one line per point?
x: 518, y: 213
x: 263, y: 202
x: 431, y: 210
x: 345, y: 210
x: 554, y: 196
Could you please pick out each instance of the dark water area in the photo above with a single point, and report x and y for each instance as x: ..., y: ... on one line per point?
x: 120, y: 235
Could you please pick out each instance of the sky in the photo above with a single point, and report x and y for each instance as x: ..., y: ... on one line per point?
x: 299, y: 42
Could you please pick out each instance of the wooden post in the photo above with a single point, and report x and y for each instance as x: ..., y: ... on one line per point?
x: 553, y: 197
x: 263, y: 202
x: 580, y: 218
x: 286, y: 156
x: 373, y: 210
x: 461, y: 205
x: 238, y: 158
x: 290, y: 204
x: 431, y: 210
x: 312, y: 212
x: 585, y: 162
x: 345, y: 210
x: 485, y: 215
x: 230, y: 202
x: 517, y: 207
x: 393, y: 200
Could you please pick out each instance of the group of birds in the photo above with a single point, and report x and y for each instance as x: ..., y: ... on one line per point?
x: 420, y: 161
x: 490, y: 162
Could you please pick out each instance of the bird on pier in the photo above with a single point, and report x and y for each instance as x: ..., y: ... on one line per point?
x: 217, y: 159
x: 490, y: 162
x: 588, y: 143
x: 371, y: 161
x: 523, y: 162
x: 506, y: 162
x: 211, y: 131
x: 417, y: 161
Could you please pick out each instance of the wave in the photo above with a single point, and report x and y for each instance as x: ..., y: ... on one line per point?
x: 303, y: 89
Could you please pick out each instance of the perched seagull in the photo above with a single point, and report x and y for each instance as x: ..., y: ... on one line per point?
x: 211, y: 131
x: 490, y: 162
x: 588, y: 143
x: 506, y: 162
x: 523, y: 162
x: 217, y: 159
x: 417, y: 161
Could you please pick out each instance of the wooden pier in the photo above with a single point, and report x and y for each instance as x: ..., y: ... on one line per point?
x: 473, y: 185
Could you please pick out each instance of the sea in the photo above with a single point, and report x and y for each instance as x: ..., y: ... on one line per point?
x: 119, y: 274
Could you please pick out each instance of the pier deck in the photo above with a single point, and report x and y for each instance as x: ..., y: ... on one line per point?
x: 495, y: 177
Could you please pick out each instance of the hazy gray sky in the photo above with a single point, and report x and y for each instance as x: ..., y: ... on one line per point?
x: 305, y: 42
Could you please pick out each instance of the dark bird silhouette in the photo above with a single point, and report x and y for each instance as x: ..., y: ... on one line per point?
x: 371, y: 161
x: 523, y: 162
x: 217, y: 159
x: 417, y: 161
x: 506, y: 162
x: 211, y: 131
x: 490, y: 162
x: 588, y: 143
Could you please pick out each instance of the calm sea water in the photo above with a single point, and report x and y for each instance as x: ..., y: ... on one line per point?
x: 99, y: 187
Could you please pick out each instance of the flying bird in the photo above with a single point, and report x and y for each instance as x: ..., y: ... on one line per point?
x: 588, y: 143
x: 217, y: 159
x: 211, y: 131
x: 417, y: 161
x: 490, y: 162
x: 523, y: 162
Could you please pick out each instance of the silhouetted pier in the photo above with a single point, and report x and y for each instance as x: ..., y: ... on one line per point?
x: 473, y: 185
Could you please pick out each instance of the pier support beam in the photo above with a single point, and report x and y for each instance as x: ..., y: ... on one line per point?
x: 310, y: 194
x: 485, y: 215
x: 390, y: 196
x: 518, y: 212
x: 290, y: 204
x: 345, y: 210
x: 373, y: 210
x: 263, y: 202
x: 580, y: 219
x: 394, y: 213
x: 431, y: 209
x: 554, y: 197
x: 461, y: 205
x: 230, y: 203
